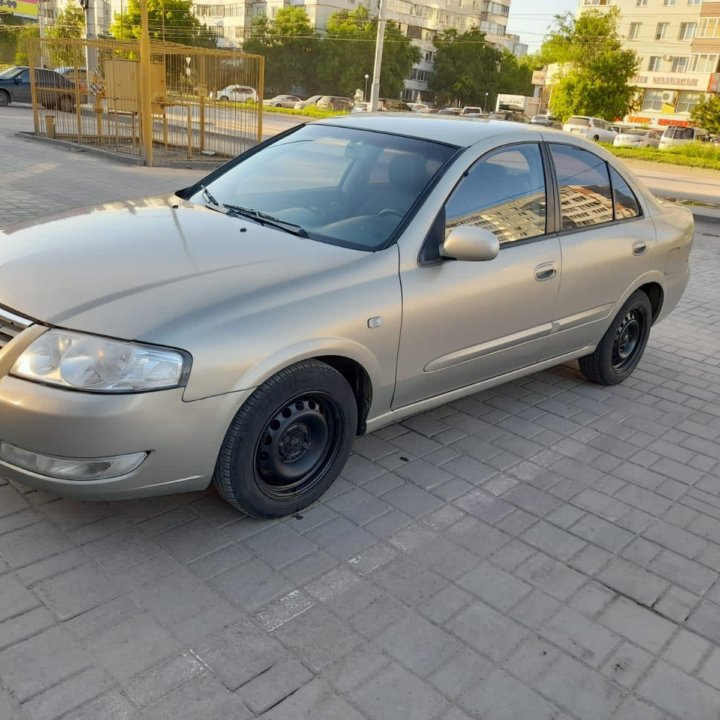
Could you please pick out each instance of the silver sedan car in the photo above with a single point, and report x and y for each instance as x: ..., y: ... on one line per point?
x: 335, y: 279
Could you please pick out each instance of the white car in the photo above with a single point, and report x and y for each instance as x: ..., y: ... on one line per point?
x: 302, y: 104
x: 637, y: 137
x: 591, y: 128
x: 237, y: 93
x: 286, y: 101
x: 675, y: 135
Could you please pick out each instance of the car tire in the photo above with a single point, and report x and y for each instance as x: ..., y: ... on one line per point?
x: 4, y: 98
x: 622, y: 346
x: 288, y: 442
x: 224, y: 98
x: 596, y: 138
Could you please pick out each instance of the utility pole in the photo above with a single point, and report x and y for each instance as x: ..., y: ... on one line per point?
x: 377, y: 67
x: 145, y: 90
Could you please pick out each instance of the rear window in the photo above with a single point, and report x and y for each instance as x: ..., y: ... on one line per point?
x: 575, y: 120
x: 635, y: 131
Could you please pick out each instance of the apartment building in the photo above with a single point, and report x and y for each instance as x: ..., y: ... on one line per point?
x: 678, y: 44
x: 420, y: 20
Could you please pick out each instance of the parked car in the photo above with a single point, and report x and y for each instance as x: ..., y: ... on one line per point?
x: 244, y: 332
x: 450, y: 111
x: 237, y: 93
x: 637, y: 137
x: 391, y: 105
x: 591, y: 128
x: 302, y: 104
x: 286, y: 101
x: 472, y: 110
x: 53, y: 90
x: 418, y: 107
x: 510, y: 115
x: 335, y: 102
x: 360, y: 107
x: 675, y: 135
x: 546, y: 121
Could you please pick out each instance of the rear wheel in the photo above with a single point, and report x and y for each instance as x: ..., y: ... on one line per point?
x: 225, y: 98
x: 4, y: 98
x: 623, y: 344
x: 288, y: 442
x: 596, y: 138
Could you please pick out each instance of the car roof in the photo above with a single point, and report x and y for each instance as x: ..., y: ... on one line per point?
x: 453, y: 130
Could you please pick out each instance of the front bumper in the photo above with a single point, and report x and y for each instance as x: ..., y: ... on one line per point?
x: 182, y: 438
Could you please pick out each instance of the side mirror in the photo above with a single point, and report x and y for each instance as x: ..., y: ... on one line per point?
x: 466, y: 242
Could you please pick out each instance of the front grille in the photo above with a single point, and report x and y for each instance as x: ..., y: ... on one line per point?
x: 10, y: 326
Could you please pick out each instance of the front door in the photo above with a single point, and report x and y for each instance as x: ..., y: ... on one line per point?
x: 464, y: 322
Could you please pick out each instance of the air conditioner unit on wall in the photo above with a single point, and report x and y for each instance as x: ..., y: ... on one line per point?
x: 667, y: 58
x: 668, y: 97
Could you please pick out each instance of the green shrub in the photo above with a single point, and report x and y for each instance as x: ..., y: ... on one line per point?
x: 702, y: 155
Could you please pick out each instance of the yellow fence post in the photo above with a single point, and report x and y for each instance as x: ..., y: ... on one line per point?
x: 145, y: 91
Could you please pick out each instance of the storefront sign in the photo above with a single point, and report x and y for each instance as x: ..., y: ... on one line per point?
x: 666, y: 80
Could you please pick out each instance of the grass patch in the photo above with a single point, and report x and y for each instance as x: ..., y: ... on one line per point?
x: 310, y: 111
x: 696, y: 155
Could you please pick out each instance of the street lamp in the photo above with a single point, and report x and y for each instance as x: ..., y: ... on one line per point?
x: 367, y: 77
x: 485, y: 106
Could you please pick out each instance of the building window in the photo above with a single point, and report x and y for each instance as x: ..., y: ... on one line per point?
x: 694, y: 2
x: 641, y: 3
x: 709, y: 28
x: 703, y: 63
x: 634, y: 31
x: 652, y: 100
x: 668, y: 2
x: 679, y: 65
x: 654, y: 63
x: 687, y: 31
x: 661, y: 31
x: 687, y: 101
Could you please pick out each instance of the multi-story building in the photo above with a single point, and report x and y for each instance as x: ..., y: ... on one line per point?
x: 420, y: 20
x: 678, y: 45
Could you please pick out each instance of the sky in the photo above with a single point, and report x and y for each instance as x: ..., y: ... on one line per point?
x: 530, y: 18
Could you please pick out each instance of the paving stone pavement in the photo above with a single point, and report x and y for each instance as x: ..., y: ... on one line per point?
x: 548, y: 549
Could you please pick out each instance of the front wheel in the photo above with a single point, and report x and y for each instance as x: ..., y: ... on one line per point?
x: 622, y: 346
x: 4, y: 99
x: 288, y: 442
x: 596, y: 138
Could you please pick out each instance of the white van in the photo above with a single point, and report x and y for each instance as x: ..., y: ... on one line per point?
x: 676, y: 135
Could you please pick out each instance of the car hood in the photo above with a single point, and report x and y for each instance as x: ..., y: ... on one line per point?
x: 134, y: 270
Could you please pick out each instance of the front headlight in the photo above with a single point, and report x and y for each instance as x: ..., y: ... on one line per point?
x: 97, y: 364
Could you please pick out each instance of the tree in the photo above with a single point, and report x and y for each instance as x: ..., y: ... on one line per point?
x: 707, y: 114
x: 69, y: 25
x: 171, y: 20
x: 596, y: 71
x: 466, y: 68
x: 348, y: 49
x: 289, y: 46
x: 30, y: 32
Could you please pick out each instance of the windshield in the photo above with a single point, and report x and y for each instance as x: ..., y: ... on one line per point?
x: 582, y: 121
x: 337, y: 185
x: 10, y: 73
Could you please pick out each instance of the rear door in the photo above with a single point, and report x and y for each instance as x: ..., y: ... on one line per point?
x: 605, y: 243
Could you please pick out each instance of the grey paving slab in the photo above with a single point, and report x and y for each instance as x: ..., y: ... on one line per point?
x: 544, y: 549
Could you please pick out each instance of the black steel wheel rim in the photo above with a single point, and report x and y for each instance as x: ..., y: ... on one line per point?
x: 298, y: 445
x: 628, y: 340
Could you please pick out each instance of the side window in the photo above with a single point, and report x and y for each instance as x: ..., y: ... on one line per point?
x: 503, y: 192
x: 626, y: 204
x: 585, y: 195
x: 25, y: 76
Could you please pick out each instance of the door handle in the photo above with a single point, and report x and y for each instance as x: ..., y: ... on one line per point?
x: 639, y: 247
x: 546, y: 271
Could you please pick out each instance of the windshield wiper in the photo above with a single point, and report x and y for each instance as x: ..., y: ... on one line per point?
x: 265, y: 219
x: 211, y: 202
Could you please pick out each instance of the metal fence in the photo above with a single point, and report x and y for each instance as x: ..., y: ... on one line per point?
x: 206, y: 104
